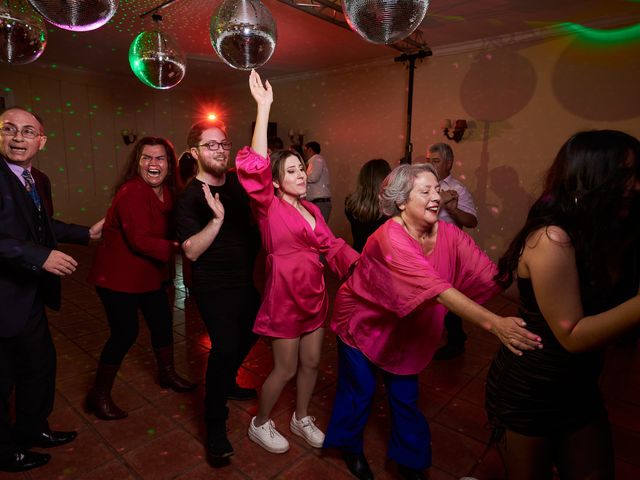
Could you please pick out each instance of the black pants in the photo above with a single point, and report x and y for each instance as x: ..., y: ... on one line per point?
x: 28, y: 363
x: 122, y: 314
x: 455, y: 333
x: 229, y: 315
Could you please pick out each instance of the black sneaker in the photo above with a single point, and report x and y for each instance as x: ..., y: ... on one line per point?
x: 240, y: 393
x: 448, y: 352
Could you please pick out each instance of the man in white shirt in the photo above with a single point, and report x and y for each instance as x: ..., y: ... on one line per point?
x: 318, y: 182
x: 456, y: 207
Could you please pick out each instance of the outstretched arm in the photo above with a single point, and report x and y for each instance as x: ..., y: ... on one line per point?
x: 263, y: 95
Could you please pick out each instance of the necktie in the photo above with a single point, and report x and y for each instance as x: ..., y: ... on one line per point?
x: 30, y: 185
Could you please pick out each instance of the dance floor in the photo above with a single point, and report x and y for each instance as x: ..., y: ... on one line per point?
x: 162, y: 437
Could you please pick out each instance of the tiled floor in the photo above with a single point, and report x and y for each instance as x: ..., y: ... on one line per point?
x: 162, y: 437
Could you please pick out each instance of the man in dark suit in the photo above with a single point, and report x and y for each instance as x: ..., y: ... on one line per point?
x: 30, y: 271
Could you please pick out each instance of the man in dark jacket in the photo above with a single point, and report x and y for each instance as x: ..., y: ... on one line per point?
x: 30, y: 271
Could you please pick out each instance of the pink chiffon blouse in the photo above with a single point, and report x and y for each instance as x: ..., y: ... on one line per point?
x: 295, y: 298
x: 388, y: 309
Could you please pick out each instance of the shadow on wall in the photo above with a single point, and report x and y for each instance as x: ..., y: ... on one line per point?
x: 499, y: 84
x: 502, y: 220
x: 599, y: 81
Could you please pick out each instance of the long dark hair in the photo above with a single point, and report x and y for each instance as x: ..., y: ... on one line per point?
x: 130, y: 169
x: 582, y: 194
x: 364, y: 203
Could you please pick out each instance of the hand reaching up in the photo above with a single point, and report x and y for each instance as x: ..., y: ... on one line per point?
x: 214, y: 204
x: 262, y: 94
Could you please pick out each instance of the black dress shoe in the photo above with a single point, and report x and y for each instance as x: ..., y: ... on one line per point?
x: 358, y: 466
x: 48, y: 439
x: 240, y: 393
x: 218, y: 446
x: 23, y: 461
x: 410, y: 473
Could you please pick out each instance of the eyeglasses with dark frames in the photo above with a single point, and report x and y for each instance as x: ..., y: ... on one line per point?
x: 214, y: 146
x: 9, y: 130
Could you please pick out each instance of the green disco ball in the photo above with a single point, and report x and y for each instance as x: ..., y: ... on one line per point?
x: 157, y: 60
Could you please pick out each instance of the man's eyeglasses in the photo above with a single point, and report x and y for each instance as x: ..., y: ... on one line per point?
x: 214, y: 146
x: 12, y: 131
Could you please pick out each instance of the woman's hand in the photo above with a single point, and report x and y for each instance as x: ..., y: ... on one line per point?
x: 511, y: 332
x: 262, y: 94
x: 214, y: 204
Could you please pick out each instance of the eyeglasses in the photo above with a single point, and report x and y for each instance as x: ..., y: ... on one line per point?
x: 12, y: 131
x: 214, y: 146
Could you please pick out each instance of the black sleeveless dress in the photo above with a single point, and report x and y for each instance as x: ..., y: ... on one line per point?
x: 543, y: 392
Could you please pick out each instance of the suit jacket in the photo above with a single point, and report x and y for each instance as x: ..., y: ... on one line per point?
x: 22, y: 254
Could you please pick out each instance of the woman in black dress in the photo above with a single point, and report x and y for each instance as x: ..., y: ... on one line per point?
x: 573, y: 261
x: 362, y: 207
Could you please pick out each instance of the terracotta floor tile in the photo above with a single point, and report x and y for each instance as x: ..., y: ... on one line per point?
x: 255, y: 462
x: 311, y: 467
x: 115, y: 469
x: 453, y: 452
x: 166, y: 456
x: 466, y: 418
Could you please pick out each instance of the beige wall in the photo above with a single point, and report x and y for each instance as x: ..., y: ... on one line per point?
x: 523, y: 101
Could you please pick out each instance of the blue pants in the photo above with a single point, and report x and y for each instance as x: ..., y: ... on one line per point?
x: 410, y: 443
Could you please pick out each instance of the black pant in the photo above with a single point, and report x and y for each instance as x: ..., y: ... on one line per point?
x: 455, y: 333
x: 28, y: 363
x: 122, y: 313
x: 229, y: 315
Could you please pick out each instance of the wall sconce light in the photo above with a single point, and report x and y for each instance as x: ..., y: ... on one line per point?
x: 129, y: 136
x: 296, y: 137
x: 458, y: 129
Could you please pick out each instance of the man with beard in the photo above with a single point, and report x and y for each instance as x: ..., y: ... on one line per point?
x: 217, y: 234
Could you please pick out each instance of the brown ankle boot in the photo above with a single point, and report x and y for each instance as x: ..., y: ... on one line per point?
x: 167, y: 376
x: 99, y: 400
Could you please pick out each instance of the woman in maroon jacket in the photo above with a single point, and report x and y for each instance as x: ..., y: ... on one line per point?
x: 130, y: 266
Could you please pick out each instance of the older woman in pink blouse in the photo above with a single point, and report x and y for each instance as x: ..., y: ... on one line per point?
x: 295, y: 303
x: 389, y: 317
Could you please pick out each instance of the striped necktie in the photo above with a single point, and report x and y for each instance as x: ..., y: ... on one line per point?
x: 30, y: 185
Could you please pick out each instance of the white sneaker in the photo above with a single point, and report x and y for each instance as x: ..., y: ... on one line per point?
x: 306, y: 429
x: 268, y: 437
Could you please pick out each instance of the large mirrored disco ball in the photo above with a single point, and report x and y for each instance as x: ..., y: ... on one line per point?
x: 243, y: 33
x: 23, y: 34
x: 384, y: 21
x: 78, y: 15
x: 156, y: 60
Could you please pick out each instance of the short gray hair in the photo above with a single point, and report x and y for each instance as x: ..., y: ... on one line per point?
x: 395, y: 189
x: 443, y: 149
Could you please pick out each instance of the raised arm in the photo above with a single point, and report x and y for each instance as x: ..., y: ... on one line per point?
x: 263, y: 95
x: 549, y: 259
x: 196, y: 244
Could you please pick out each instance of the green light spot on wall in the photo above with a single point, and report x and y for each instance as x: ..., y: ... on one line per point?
x: 72, y: 112
x: 614, y: 35
x: 83, y: 209
x: 68, y: 104
x: 77, y: 134
x: 89, y: 167
x: 99, y: 134
x: 37, y: 99
x: 80, y: 190
x: 51, y: 134
x: 7, y: 89
x: 94, y: 106
x: 151, y: 432
x: 58, y: 214
x: 61, y: 169
x: 72, y: 148
x: 54, y: 66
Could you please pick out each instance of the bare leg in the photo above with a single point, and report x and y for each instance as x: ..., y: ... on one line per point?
x: 526, y: 458
x: 310, y: 350
x: 285, y: 359
x: 587, y: 453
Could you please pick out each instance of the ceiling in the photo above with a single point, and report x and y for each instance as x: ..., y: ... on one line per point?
x: 306, y: 43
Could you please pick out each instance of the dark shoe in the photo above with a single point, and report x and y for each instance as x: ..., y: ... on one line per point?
x: 99, y: 400
x: 410, y: 473
x: 23, y: 461
x: 167, y: 376
x: 358, y: 465
x: 240, y: 393
x: 47, y: 439
x: 448, y: 352
x: 218, y: 445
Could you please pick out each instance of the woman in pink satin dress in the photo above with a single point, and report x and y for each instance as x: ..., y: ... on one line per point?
x: 295, y: 304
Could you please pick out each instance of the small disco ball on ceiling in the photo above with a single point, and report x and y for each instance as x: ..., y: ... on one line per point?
x: 23, y: 35
x: 156, y: 60
x: 243, y: 33
x: 78, y: 15
x: 384, y: 21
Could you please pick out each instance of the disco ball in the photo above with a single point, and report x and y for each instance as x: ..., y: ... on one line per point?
x: 156, y: 60
x: 78, y: 15
x: 384, y: 21
x: 23, y: 35
x: 243, y: 33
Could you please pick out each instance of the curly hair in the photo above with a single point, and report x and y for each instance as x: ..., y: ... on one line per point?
x: 396, y: 187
